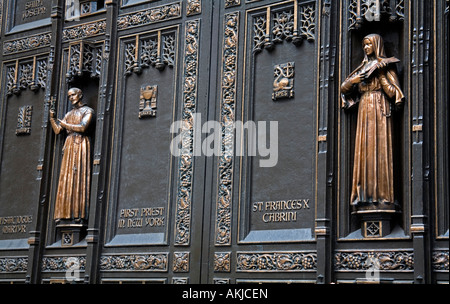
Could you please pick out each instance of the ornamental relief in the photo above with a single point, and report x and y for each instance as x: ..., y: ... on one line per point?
x: 27, y: 43
x: 440, y: 260
x: 13, y: 264
x: 149, y: 16
x: 85, y: 30
x: 30, y: 73
x: 156, y: 49
x: 138, y: 262
x: 227, y: 114
x: 62, y: 263
x: 293, y: 24
x: 364, y: 260
x: 276, y: 262
x: 185, y: 166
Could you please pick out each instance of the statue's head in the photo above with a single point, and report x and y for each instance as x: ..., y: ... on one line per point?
x: 75, y: 95
x: 377, y: 46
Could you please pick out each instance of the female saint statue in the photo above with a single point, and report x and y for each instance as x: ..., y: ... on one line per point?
x: 374, y: 86
x: 72, y: 199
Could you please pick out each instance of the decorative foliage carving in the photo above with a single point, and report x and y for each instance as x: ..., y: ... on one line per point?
x: 259, y: 33
x: 27, y: 43
x: 283, y: 25
x: 181, y: 262
x: 138, y: 262
x: 24, y: 120
x: 84, y: 57
x: 149, y: 16
x: 11, y: 85
x: 62, y: 263
x: 308, y: 23
x: 363, y: 260
x: 180, y: 280
x: 228, y: 100
x: 13, y: 264
x: 27, y: 73
x: 130, y: 57
x: 84, y: 30
x: 230, y: 3
x: 157, y: 50
x: 440, y: 260
x: 168, y: 51
x: 276, y: 25
x: 276, y: 262
x: 193, y: 7
x: 185, y: 166
x: 222, y: 262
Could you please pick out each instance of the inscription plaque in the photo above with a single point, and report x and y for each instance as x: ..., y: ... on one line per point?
x: 27, y: 11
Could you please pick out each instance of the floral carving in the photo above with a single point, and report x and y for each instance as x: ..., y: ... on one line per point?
x: 228, y: 100
x: 363, y: 260
x: 440, y: 260
x: 13, y: 264
x: 27, y: 43
x: 185, y: 165
x: 149, y: 16
x: 84, y: 30
x: 277, y: 262
x: 222, y: 262
x: 140, y: 262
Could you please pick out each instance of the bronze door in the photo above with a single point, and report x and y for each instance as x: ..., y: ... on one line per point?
x: 220, y: 152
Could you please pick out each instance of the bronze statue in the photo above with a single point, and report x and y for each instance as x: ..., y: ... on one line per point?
x: 72, y: 199
x: 374, y: 87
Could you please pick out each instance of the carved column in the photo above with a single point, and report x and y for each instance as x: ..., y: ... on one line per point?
x: 324, y: 142
x: 100, y: 161
x: 419, y: 111
x: 37, y: 236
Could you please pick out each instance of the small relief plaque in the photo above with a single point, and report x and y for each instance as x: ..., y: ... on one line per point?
x: 147, y: 102
x: 24, y: 120
x: 283, y: 84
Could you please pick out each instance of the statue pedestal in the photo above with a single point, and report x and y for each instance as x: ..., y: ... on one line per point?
x: 70, y: 233
x: 376, y: 224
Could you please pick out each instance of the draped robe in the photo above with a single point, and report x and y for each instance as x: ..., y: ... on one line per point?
x: 373, y: 181
x: 72, y: 199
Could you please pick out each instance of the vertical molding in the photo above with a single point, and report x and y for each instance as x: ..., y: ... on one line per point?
x: 37, y: 235
x: 419, y: 152
x: 224, y: 200
x: 324, y: 168
x: 99, y: 180
x: 186, y: 162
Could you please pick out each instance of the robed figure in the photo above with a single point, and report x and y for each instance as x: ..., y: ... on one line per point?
x: 374, y: 87
x: 72, y: 199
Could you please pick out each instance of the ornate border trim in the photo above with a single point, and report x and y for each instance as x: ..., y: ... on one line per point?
x: 354, y: 261
x: 149, y: 16
x: 186, y: 167
x: 84, y: 30
x: 155, y: 262
x: 13, y: 264
x: 289, y: 261
x: 227, y: 115
x: 440, y: 260
x: 27, y: 43
x: 61, y: 263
